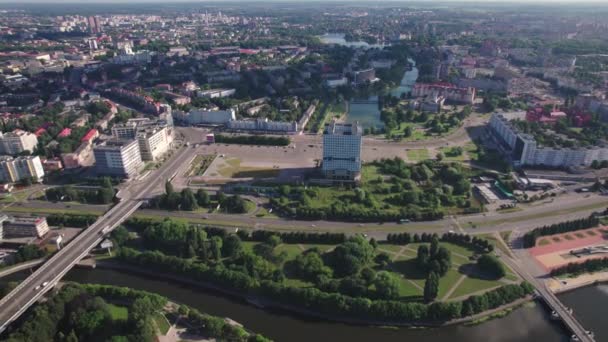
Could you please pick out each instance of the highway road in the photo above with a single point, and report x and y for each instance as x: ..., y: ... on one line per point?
x: 26, y: 293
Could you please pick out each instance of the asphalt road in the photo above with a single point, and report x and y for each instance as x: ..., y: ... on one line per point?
x: 25, y: 294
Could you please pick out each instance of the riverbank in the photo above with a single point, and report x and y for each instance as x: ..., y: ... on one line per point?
x: 561, y: 285
x: 264, y: 303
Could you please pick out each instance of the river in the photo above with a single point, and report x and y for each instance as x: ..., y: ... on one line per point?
x: 526, y: 324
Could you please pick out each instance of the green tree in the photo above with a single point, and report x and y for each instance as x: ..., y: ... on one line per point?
x: 387, y: 285
x: 188, y: 201
x: 216, y: 248
x: 431, y: 287
x: 202, y: 198
x: 232, y: 246
x: 168, y: 188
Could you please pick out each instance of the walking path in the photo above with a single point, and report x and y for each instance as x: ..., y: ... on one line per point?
x: 454, y: 287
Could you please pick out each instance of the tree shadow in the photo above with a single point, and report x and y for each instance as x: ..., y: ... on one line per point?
x: 472, y: 271
x: 409, y: 269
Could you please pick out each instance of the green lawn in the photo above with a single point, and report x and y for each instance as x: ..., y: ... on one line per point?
x: 447, y: 281
x: 161, y: 323
x: 407, y: 291
x: 471, y: 285
x: 417, y: 155
x: 292, y: 250
x: 446, y: 154
x: 118, y: 313
x: 322, y: 248
x: 297, y: 283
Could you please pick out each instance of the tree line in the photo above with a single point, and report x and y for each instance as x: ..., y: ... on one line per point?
x: 530, y: 237
x: 103, y: 195
x: 252, y: 140
x: 320, y: 302
x: 189, y: 201
x: 576, y: 268
x: 480, y: 245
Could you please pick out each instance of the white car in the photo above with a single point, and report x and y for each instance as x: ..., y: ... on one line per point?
x: 45, y: 283
x: 37, y: 288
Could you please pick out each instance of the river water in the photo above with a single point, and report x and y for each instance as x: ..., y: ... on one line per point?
x: 526, y: 324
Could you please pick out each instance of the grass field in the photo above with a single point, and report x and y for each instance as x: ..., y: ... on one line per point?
x: 118, y: 313
x: 161, y: 323
x: 232, y: 169
x: 416, y: 155
x: 473, y: 285
x: 448, y: 154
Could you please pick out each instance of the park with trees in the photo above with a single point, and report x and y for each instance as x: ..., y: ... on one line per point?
x: 189, y: 200
x: 432, y: 280
x: 390, y: 190
x: 88, y: 312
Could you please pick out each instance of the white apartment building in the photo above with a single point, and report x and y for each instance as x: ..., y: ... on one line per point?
x: 17, y: 141
x: 216, y: 93
x: 153, y: 142
x: 13, y: 170
x: 120, y: 158
x: 263, y: 125
x: 524, y: 150
x: 342, y: 151
x: 154, y: 139
x: 208, y: 117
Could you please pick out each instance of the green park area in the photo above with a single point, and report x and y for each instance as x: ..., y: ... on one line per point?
x: 303, y: 268
x: 78, y: 312
x: 390, y: 190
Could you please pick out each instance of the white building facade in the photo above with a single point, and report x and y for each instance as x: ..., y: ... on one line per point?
x: 342, y: 151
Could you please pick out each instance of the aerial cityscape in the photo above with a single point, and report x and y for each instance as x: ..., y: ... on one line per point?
x: 297, y: 171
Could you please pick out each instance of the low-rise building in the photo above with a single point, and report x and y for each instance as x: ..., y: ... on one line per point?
x: 206, y: 116
x: 13, y: 170
x: 449, y: 91
x: 17, y: 227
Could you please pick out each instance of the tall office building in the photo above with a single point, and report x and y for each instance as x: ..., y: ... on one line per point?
x: 119, y: 158
x: 342, y: 151
x: 13, y: 170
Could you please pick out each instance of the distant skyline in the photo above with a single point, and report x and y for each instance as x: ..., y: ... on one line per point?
x: 125, y: 2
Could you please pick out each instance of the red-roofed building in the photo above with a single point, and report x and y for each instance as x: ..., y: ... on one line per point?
x: 90, y: 136
x: 40, y: 131
x: 64, y: 133
x: 540, y: 114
